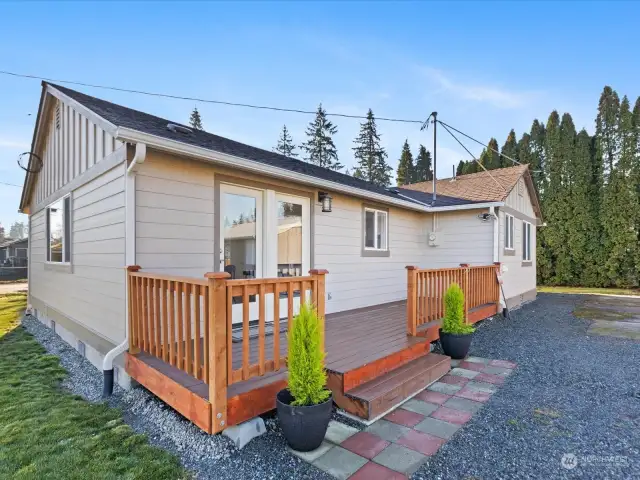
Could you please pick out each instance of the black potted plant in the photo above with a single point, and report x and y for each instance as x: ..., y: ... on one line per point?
x: 455, y: 334
x: 304, y: 408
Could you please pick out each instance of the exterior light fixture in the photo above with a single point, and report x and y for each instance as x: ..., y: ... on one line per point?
x: 325, y: 199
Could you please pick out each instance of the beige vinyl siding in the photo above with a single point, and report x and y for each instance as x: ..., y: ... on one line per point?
x: 462, y: 238
x: 355, y: 281
x: 175, y: 216
x: 72, y: 145
x: 93, y: 294
x: 518, y: 278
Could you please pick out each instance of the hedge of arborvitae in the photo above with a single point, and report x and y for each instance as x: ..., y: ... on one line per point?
x: 590, y: 192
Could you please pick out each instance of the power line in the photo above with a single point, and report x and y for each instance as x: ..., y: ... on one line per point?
x: 478, y: 141
x: 203, y: 100
x: 472, y: 156
x: 11, y: 184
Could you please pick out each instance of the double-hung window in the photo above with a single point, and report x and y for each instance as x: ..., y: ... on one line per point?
x: 376, y: 230
x: 508, y: 232
x: 526, y: 241
x: 59, y: 231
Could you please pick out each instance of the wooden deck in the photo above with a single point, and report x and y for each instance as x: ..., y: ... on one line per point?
x: 361, y: 345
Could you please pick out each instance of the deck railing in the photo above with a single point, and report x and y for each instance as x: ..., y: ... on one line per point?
x: 426, y: 289
x: 191, y: 323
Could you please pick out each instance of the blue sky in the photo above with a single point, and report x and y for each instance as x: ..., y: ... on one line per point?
x: 485, y: 67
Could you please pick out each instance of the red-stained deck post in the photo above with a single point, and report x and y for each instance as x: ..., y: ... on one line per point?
x: 412, y: 304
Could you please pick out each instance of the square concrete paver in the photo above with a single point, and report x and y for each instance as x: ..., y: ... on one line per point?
x: 365, y: 444
x: 340, y: 463
x: 444, y: 388
x: 497, y: 370
x: 463, y: 404
x: 400, y: 459
x: 374, y: 471
x: 484, y: 361
x: 502, y: 363
x: 421, y: 442
x: 476, y: 367
x: 489, y: 378
x: 463, y: 372
x: 387, y: 430
x: 339, y: 432
x: 452, y: 416
x: 433, y: 397
x: 309, y: 457
x: 436, y: 427
x: 454, y: 380
x: 475, y: 395
x: 404, y: 417
x: 482, y: 386
x: 418, y: 406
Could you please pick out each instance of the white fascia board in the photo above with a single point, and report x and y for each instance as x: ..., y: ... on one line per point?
x: 181, y: 148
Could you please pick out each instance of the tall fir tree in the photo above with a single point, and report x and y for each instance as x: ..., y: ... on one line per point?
x: 509, y: 149
x: 460, y: 168
x: 424, y: 165
x: 285, y: 144
x: 319, y: 147
x: 490, y: 157
x: 195, y: 120
x: 372, y: 158
x: 636, y: 169
x: 620, y: 201
x: 406, y: 170
x: 537, y: 146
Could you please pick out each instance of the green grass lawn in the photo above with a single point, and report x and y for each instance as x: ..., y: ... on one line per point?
x: 588, y: 290
x: 48, y: 433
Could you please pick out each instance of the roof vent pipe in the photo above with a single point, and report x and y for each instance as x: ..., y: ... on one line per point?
x: 178, y: 128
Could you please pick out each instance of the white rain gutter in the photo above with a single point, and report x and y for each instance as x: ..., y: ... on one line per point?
x: 130, y: 259
x: 182, y: 148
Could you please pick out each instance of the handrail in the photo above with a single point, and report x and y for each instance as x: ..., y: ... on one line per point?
x: 426, y: 289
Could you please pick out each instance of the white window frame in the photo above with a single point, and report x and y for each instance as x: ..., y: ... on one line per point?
x: 509, y: 232
x: 65, y: 221
x: 526, y: 241
x: 375, y: 230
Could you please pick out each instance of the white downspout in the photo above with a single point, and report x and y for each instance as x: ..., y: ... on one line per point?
x: 496, y: 229
x: 130, y: 259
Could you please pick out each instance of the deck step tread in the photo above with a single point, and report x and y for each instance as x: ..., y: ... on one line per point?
x: 392, y: 380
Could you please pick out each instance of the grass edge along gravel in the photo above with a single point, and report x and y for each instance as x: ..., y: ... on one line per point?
x: 47, y: 432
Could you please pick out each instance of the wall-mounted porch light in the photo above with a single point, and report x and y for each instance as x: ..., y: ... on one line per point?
x: 325, y: 199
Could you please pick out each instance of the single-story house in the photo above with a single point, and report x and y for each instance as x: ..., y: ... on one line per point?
x: 14, y: 252
x: 119, y: 187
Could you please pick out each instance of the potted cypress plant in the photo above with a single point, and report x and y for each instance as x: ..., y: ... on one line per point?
x: 304, y: 408
x: 455, y: 334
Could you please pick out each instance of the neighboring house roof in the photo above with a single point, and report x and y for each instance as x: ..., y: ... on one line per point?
x: 123, y: 120
x: 7, y: 242
x: 487, y: 186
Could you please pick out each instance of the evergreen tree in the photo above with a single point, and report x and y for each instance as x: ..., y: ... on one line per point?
x: 195, y: 120
x: 319, y: 146
x: 584, y: 226
x: 620, y: 202
x: 510, y: 149
x: 372, y: 165
x: 490, y: 157
x: 460, y: 168
x: 285, y: 144
x: 424, y: 168
x: 538, y: 162
x: 405, y: 174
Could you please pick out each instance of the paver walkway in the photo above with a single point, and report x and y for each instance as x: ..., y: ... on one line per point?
x: 395, y: 446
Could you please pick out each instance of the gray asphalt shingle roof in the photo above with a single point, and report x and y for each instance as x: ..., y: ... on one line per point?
x: 121, y: 116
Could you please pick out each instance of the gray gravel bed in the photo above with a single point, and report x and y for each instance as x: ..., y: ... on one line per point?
x: 208, y: 456
x: 571, y: 393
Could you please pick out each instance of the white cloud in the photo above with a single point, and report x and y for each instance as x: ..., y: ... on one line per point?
x: 491, y: 94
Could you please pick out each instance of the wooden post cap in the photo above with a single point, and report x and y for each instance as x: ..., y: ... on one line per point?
x: 411, y: 267
x: 497, y: 263
x: 133, y: 268
x: 465, y: 265
x: 217, y: 275
x: 318, y: 271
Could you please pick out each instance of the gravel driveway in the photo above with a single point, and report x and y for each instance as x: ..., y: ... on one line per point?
x: 572, y: 394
